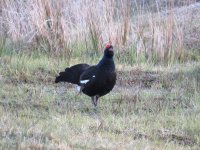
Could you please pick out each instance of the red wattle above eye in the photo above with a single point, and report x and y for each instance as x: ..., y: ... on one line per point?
x: 108, y: 46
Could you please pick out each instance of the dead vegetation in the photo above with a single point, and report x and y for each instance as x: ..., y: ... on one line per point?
x: 160, y: 31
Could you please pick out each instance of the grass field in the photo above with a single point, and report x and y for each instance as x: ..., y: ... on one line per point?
x: 155, y: 104
x: 151, y: 107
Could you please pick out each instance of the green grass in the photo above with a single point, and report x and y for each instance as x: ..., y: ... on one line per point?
x: 151, y: 107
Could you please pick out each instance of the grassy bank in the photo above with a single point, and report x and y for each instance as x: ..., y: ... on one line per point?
x: 152, y: 107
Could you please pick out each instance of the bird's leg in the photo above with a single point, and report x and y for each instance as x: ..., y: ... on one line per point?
x: 94, y: 100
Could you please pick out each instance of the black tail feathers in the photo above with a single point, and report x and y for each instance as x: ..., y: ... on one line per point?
x: 63, y: 77
x: 72, y: 74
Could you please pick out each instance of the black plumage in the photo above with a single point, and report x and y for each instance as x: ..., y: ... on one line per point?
x: 72, y: 74
x: 94, y: 81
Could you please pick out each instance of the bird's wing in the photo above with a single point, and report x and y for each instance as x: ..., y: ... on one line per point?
x: 88, y: 75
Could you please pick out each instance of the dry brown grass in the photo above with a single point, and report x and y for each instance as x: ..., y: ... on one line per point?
x: 59, y: 28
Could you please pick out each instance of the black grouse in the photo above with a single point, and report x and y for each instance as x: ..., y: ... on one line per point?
x: 94, y: 81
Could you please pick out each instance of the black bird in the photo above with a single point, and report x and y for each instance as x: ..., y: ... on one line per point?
x: 94, y: 81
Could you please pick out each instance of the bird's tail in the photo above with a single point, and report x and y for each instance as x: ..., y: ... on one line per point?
x: 63, y: 76
x: 71, y: 74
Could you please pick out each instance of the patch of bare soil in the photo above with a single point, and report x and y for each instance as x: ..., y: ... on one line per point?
x: 137, y: 78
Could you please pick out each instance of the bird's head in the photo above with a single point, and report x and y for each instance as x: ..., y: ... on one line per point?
x: 109, y: 52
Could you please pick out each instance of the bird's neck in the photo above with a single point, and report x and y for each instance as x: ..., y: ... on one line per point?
x: 107, y: 64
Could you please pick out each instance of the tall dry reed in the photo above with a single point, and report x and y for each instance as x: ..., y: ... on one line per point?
x: 155, y: 29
